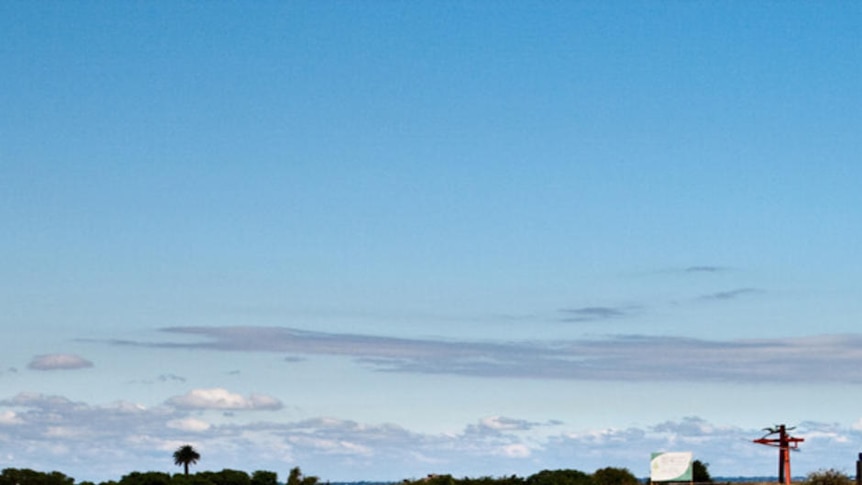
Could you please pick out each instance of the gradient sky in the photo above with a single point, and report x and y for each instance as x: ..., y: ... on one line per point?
x: 378, y: 240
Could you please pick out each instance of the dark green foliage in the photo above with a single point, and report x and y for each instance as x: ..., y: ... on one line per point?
x: 295, y: 478
x: 146, y: 478
x: 544, y: 477
x: 440, y: 480
x: 700, y: 472
x: 614, y: 476
x: 560, y: 477
x: 510, y: 480
x: 828, y: 477
x: 263, y: 477
x: 196, y: 479
x: 25, y: 476
x: 225, y: 477
x: 185, y: 456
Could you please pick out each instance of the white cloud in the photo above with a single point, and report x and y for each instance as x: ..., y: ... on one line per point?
x: 58, y: 432
x: 59, y: 362
x: 515, y: 451
x: 189, y: 424
x: 129, y: 407
x: 220, y: 398
x: 10, y: 418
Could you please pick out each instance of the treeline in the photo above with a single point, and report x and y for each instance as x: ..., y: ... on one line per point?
x: 604, y: 476
x: 19, y: 476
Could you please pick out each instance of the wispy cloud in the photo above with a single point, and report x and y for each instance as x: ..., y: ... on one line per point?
x: 692, y: 270
x: 59, y: 362
x: 730, y: 294
x: 688, y: 426
x: 706, y: 269
x: 171, y: 377
x: 499, y: 424
x: 593, y: 313
x: 836, y: 358
x: 10, y: 370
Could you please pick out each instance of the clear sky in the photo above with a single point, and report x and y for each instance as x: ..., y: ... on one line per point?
x: 378, y: 240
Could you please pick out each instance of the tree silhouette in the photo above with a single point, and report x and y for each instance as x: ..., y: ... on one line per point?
x: 296, y: 478
x: 614, y: 476
x: 186, y: 455
x: 264, y: 477
x: 700, y: 472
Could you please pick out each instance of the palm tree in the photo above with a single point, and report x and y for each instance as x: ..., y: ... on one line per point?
x: 186, y: 455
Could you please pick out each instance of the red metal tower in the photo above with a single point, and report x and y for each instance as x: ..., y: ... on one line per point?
x: 784, y: 442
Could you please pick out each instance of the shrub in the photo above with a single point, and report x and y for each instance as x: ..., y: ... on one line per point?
x: 700, y: 472
x: 614, y: 476
x: 828, y: 477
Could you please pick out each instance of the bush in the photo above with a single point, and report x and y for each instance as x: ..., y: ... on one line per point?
x: 828, y: 477
x: 700, y: 472
x: 560, y: 477
x: 614, y: 476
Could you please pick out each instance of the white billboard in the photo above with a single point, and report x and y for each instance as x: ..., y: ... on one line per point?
x: 673, y: 466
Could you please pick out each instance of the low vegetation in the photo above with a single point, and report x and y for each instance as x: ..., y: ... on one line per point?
x: 16, y: 476
x: 828, y: 477
x: 186, y: 456
x: 605, y: 476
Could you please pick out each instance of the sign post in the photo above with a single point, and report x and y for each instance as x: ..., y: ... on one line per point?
x: 859, y: 470
x: 671, y: 467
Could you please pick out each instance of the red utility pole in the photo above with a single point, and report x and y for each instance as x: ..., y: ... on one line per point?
x: 784, y: 442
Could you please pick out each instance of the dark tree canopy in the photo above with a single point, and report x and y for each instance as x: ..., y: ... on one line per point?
x: 510, y: 480
x: 25, y: 476
x: 296, y: 478
x: 614, y: 476
x: 185, y: 456
x: 263, y: 477
x: 700, y: 472
x: 225, y: 477
x: 146, y: 478
x: 560, y: 477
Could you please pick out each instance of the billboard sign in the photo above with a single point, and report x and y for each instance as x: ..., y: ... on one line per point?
x: 674, y: 466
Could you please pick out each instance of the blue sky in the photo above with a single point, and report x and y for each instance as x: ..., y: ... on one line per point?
x: 378, y: 240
